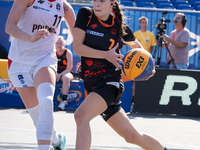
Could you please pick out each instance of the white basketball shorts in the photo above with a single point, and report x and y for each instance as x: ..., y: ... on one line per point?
x: 22, y: 75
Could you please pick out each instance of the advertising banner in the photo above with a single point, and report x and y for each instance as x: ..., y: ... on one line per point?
x: 169, y: 92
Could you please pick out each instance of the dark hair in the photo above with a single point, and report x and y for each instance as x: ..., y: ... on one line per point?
x: 184, y: 20
x: 119, y: 19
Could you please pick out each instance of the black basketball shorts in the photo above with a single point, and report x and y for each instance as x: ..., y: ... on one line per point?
x: 111, y: 94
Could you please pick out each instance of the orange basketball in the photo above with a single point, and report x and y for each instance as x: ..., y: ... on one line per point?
x: 138, y: 64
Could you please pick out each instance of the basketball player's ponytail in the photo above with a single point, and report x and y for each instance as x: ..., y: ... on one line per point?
x: 119, y: 19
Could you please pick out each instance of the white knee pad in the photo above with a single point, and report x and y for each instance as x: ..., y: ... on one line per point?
x: 34, y: 113
x: 45, y: 93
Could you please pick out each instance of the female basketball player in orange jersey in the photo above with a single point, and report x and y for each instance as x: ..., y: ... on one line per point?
x: 34, y: 26
x: 98, y: 37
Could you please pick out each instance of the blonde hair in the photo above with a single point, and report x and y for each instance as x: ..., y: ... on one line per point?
x: 143, y: 18
x: 61, y: 38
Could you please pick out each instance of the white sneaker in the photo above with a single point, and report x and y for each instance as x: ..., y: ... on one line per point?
x: 65, y: 102
x: 62, y: 105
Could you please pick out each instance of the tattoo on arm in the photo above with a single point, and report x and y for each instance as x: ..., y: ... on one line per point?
x: 66, y: 7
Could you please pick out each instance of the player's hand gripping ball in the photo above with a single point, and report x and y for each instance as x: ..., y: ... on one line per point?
x: 138, y: 64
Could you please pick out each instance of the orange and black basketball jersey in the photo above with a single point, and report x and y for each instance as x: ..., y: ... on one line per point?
x: 62, y: 61
x: 102, y: 36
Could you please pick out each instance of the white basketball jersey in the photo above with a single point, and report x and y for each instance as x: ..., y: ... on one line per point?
x: 41, y: 14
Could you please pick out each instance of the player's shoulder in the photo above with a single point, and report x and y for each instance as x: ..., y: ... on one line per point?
x: 85, y: 10
x: 68, y: 51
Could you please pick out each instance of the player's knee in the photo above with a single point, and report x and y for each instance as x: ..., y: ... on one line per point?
x: 46, y: 104
x: 80, y: 117
x: 66, y: 80
x: 45, y: 93
x: 131, y: 138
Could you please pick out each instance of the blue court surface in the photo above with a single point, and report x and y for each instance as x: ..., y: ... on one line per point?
x: 175, y: 132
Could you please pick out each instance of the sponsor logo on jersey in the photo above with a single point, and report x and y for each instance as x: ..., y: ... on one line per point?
x: 51, y: 0
x: 94, y: 26
x: 92, y: 74
x: 58, y: 6
x: 21, y: 80
x: 98, y: 65
x: 37, y: 7
x: 114, y: 31
x: 38, y: 26
x: 89, y: 62
x: 94, y: 33
x: 41, y: 1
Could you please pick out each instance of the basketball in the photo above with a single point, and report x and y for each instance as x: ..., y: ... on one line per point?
x: 138, y: 64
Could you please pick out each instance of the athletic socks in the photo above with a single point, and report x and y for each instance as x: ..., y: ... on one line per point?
x: 34, y: 113
x: 64, y: 97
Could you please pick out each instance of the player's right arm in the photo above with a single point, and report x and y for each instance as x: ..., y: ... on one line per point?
x: 14, y: 16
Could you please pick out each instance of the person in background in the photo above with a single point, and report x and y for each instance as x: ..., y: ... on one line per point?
x: 32, y: 64
x: 147, y: 40
x: 145, y: 37
x: 178, y: 43
x: 98, y: 38
x: 65, y: 64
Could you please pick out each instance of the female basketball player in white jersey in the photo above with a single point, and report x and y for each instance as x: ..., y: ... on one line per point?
x: 34, y: 26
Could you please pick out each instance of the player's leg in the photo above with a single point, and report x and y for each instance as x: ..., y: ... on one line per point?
x: 45, y: 86
x: 92, y: 106
x: 123, y: 126
x: 66, y: 78
x: 133, y: 96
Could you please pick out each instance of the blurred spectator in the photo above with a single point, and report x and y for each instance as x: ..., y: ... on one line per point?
x: 178, y: 43
x: 65, y: 61
x: 145, y: 37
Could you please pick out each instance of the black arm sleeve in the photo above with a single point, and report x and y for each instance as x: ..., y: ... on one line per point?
x: 83, y: 18
x: 129, y: 34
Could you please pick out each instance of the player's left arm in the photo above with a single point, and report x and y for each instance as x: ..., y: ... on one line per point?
x: 69, y: 16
